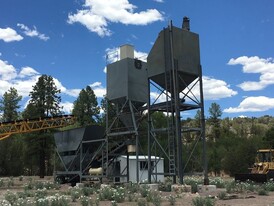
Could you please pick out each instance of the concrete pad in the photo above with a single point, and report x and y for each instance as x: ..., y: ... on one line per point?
x: 180, y: 188
x: 206, y: 188
x: 80, y: 185
x: 153, y: 187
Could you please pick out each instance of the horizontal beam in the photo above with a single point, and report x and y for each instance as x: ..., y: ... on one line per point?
x: 24, y: 126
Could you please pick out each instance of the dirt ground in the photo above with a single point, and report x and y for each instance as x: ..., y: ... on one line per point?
x: 184, y: 199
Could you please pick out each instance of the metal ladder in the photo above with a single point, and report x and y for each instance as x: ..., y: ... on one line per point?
x: 170, y: 125
x: 171, y: 145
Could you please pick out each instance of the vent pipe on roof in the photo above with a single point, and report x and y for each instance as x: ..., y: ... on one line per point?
x: 126, y: 51
x: 186, y: 25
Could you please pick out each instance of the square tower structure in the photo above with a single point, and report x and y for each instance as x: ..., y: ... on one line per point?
x: 127, y: 78
x: 127, y: 86
x: 183, y: 46
x: 174, y: 65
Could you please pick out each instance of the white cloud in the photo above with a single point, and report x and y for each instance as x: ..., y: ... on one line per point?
x: 7, y: 71
x: 32, y: 33
x: 24, y: 85
x: 95, y: 84
x: 5, y: 85
x: 22, y: 81
x: 113, y: 55
x: 100, y: 92
x: 72, y: 92
x: 253, y: 104
x: 27, y: 71
x: 213, y: 89
x: 159, y: 1
x: 99, y: 13
x: 98, y: 89
x: 93, y: 22
x: 155, y: 98
x: 9, y: 35
x: 59, y: 85
x: 134, y: 36
x: 64, y: 90
x: 140, y: 55
x: 67, y: 107
x: 264, y: 67
x: 25, y: 79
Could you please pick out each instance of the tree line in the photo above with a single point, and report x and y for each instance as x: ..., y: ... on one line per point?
x: 33, y: 153
x: 231, y: 143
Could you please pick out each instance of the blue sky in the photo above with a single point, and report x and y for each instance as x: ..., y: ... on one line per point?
x: 69, y: 40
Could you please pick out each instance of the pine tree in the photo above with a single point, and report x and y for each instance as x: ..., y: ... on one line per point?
x: 45, y: 97
x: 44, y: 102
x: 9, y: 105
x: 86, y: 107
x: 214, y: 119
x: 11, y: 148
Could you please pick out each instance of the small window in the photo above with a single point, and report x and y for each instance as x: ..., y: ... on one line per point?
x: 144, y: 165
x: 138, y: 64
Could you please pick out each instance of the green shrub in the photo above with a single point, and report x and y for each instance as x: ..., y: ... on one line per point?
x: 240, y: 187
x: 142, y: 202
x: 269, y: 186
x: 10, y: 182
x: 40, y: 193
x: 10, y: 197
x: 113, y: 203
x: 118, y: 194
x: 97, y: 201
x: 150, y: 195
x: 132, y: 187
x: 29, y: 185
x: 22, y: 202
x: 219, y: 182
x: 21, y: 178
x: 85, y: 201
x: 87, y: 191
x: 51, y: 185
x: 203, y: 201
x: 165, y: 187
x: 42, y: 202
x: 193, y: 180
x: 144, y: 190
x: 130, y: 196
x: 222, y: 195
x: 105, y: 193
x: 4, y: 203
x: 38, y: 185
x: 2, y: 183
x: 171, y: 199
x: 75, y: 193
x: 58, y: 200
x: 154, y: 197
x: 194, y: 187
x: 25, y: 194
x: 230, y: 187
x: 262, y: 192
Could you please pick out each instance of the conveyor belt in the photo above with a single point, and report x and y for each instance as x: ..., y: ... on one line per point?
x: 31, y: 125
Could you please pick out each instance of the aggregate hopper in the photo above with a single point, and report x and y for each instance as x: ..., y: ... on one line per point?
x: 77, y: 150
x: 263, y: 168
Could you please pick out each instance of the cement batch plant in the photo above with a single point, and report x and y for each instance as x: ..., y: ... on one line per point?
x: 114, y: 153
